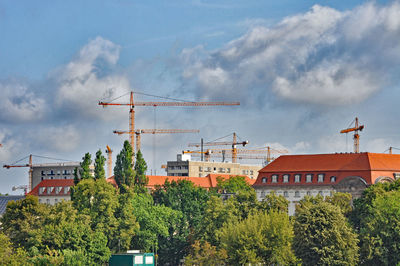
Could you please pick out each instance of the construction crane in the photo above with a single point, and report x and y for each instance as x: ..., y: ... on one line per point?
x: 390, y: 150
x: 23, y: 187
x: 109, y: 161
x: 23, y: 165
x: 138, y: 132
x: 176, y: 102
x: 356, y: 136
x: 234, y: 144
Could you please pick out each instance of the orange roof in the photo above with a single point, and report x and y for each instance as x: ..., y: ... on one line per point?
x: 208, y: 181
x: 52, y: 183
x: 334, y: 162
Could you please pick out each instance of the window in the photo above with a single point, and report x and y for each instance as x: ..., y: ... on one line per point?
x: 285, y: 194
x: 43, y: 173
x: 185, y: 167
x: 41, y: 190
x: 333, y: 179
x: 297, y: 178
x: 65, y: 177
x: 321, y: 178
x: 48, y: 201
x: 243, y: 172
x: 58, y: 172
x: 66, y: 190
x: 178, y: 168
x: 320, y: 193
x: 308, y: 193
x: 200, y: 168
x: 264, y: 180
x: 172, y: 167
x: 49, y: 190
x: 309, y: 178
x: 228, y: 170
x: 262, y: 194
x: 40, y: 201
x: 297, y: 194
x: 58, y: 189
x: 274, y: 178
x: 221, y: 170
x: 251, y: 172
x: 55, y: 200
x: 396, y: 176
x: 285, y: 178
x: 42, y: 178
x: 51, y: 178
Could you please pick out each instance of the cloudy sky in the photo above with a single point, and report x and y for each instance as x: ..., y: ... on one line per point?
x: 302, y: 71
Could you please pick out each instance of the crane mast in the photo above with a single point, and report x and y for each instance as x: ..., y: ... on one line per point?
x: 356, y: 136
x: 109, y: 161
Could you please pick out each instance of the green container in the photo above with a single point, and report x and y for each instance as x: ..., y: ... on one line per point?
x: 131, y: 259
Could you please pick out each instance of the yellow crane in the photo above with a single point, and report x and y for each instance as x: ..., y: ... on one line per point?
x: 356, y: 136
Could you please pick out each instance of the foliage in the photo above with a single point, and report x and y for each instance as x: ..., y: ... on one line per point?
x: 233, y: 184
x: 141, y: 179
x: 341, y: 200
x: 205, y: 254
x: 274, y: 202
x: 123, y: 173
x: 322, y: 235
x: 264, y: 237
x: 380, y: 231
x: 99, y: 172
x: 84, y: 172
x: 10, y: 255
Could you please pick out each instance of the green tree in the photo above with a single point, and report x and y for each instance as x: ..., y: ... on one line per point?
x: 84, y: 171
x: 22, y: 220
x: 123, y: 173
x: 380, y: 231
x: 141, y: 179
x: 233, y: 184
x: 10, y: 255
x: 341, y: 200
x: 99, y: 172
x: 264, y: 237
x: 205, y: 254
x: 274, y: 202
x: 322, y: 234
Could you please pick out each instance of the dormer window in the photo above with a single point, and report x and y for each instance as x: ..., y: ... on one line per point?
x: 41, y: 190
x: 264, y: 180
x: 333, y: 179
x: 309, y: 178
x: 297, y: 178
x: 66, y: 190
x: 49, y: 190
x: 321, y: 178
x: 274, y: 178
x: 285, y: 178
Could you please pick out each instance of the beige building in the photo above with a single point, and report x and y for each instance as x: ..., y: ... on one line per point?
x: 51, y: 171
x: 184, y: 166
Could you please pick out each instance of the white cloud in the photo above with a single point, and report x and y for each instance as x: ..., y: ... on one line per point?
x: 324, y: 57
x: 19, y: 104
x: 89, y: 78
x: 59, y: 139
x: 9, y: 146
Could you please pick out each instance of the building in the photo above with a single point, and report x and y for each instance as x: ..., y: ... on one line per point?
x: 184, y: 166
x: 295, y: 176
x: 5, y: 199
x: 52, y: 171
x: 52, y: 191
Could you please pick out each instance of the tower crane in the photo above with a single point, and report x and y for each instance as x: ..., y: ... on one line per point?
x: 234, y: 144
x: 23, y: 187
x: 109, y: 161
x: 23, y: 165
x: 356, y: 136
x: 132, y: 105
x: 138, y: 133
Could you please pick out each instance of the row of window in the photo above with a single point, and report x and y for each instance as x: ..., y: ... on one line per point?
x: 59, y: 172
x: 50, y: 190
x: 297, y: 178
x: 185, y: 167
x: 296, y: 194
x: 51, y: 177
x: 246, y: 172
x: 214, y: 169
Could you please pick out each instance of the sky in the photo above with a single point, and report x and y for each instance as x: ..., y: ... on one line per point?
x: 301, y: 70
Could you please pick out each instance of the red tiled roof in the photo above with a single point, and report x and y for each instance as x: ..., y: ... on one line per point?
x: 48, y: 183
x: 368, y: 165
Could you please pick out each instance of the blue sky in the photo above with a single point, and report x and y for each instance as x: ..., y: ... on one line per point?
x: 302, y: 71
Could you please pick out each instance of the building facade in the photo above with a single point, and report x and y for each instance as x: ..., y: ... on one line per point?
x: 52, y: 171
x: 184, y: 166
x: 52, y: 191
x: 295, y: 176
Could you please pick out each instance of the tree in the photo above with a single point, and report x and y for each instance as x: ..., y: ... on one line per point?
x: 233, y: 184
x: 380, y: 231
x: 84, y: 172
x: 262, y: 238
x: 274, y: 202
x: 341, y: 200
x: 205, y: 254
x: 141, y: 179
x: 10, y: 255
x: 99, y: 172
x: 322, y: 235
x: 123, y: 173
